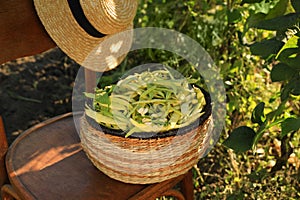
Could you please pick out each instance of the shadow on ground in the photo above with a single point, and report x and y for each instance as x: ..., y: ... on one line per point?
x: 35, y: 88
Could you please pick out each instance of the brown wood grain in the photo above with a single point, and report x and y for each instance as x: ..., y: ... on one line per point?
x: 156, y: 190
x: 187, y: 186
x: 9, y: 193
x: 47, y: 162
x: 3, y: 150
x: 21, y: 32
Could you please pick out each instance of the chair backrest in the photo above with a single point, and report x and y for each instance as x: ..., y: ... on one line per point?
x: 21, y: 32
x: 27, y: 33
x: 3, y: 150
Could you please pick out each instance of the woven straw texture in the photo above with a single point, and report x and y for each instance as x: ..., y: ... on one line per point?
x: 107, y: 16
x: 110, y: 16
x: 144, y: 161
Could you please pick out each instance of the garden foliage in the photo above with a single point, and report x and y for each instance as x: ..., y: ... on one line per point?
x: 256, y: 45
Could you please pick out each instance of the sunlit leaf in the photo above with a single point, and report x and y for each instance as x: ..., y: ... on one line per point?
x: 292, y: 43
x: 290, y: 53
x: 287, y: 54
x: 240, y: 139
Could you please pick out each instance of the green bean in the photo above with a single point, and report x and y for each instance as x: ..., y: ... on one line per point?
x: 153, y: 101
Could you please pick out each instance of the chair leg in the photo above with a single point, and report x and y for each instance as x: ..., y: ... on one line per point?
x: 3, y: 150
x: 187, y: 186
x: 8, y: 193
x: 3, y: 175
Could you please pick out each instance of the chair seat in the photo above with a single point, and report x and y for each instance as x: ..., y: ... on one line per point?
x: 47, y: 162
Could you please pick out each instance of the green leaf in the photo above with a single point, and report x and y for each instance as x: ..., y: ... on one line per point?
x: 279, y: 23
x: 296, y: 5
x: 98, y: 117
x: 240, y: 139
x: 260, y: 132
x: 295, y: 85
x: 292, y: 87
x: 291, y: 57
x: 293, y: 42
x: 282, y: 72
x: 251, y: 1
x: 278, y: 10
x: 255, y: 18
x: 289, y: 125
x: 89, y: 95
x: 258, y: 113
x: 103, y: 99
x: 285, y: 92
x: 234, y: 16
x: 266, y: 48
x: 287, y: 54
x: 276, y: 112
x: 292, y: 45
x: 294, y: 62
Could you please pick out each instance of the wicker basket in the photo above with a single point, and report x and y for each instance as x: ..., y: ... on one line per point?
x: 145, y: 160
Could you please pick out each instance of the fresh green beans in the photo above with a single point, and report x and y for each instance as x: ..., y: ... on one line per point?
x: 147, y: 102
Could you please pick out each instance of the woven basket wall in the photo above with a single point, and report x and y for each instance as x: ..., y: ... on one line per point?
x: 144, y: 161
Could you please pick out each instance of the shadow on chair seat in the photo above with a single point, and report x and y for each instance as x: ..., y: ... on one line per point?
x: 47, y: 162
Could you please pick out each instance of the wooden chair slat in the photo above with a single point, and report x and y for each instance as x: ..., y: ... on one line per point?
x: 3, y: 150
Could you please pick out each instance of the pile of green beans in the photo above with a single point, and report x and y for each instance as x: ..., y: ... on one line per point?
x: 151, y: 101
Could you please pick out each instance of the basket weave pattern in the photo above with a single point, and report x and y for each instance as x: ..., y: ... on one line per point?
x: 143, y: 161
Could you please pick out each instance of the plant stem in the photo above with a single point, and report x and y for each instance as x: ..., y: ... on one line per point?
x: 286, y: 151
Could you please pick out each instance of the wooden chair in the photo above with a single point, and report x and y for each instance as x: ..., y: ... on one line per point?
x: 7, y: 192
x: 3, y: 150
x: 31, y: 176
x: 47, y: 162
x: 21, y: 33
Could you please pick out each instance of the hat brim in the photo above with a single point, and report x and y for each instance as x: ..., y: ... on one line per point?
x: 91, y: 52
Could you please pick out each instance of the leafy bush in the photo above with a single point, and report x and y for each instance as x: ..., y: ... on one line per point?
x: 281, y: 54
x: 255, y: 43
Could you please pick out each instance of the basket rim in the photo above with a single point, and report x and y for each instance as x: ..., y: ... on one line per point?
x: 154, y: 135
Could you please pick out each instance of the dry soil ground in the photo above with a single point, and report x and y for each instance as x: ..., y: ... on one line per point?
x: 35, y: 88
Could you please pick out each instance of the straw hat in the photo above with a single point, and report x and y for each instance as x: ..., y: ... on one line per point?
x: 80, y: 28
